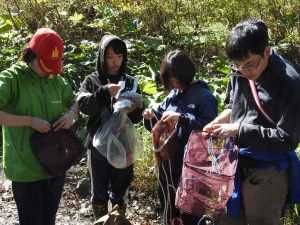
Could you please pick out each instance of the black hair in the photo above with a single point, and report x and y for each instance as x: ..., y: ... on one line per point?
x: 27, y: 55
x: 177, y: 64
x: 248, y: 36
x: 119, y: 47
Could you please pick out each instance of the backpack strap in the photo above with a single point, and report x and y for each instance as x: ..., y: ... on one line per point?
x: 257, y: 101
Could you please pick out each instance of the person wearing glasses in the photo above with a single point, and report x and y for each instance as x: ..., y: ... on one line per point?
x: 266, y: 179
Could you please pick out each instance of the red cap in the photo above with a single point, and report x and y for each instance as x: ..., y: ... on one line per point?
x: 48, y: 47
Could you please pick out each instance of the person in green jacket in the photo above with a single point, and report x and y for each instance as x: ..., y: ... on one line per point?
x: 33, y: 98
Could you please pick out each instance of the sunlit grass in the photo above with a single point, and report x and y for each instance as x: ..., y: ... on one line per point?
x: 144, y: 168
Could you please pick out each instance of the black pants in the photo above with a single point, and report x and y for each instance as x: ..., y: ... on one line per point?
x: 169, y: 179
x: 37, y: 202
x: 102, y: 175
x: 188, y: 219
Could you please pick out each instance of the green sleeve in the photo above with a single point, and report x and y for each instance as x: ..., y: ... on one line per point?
x: 6, y: 83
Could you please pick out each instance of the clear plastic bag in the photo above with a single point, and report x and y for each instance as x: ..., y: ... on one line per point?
x: 124, y: 104
x: 118, y: 140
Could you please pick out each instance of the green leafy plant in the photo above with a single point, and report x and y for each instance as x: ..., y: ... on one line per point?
x: 150, y: 29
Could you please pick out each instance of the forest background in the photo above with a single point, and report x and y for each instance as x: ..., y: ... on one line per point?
x: 150, y: 28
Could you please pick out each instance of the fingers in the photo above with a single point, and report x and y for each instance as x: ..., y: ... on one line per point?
x: 113, y: 89
x: 40, y: 125
x: 220, y: 131
x: 44, y: 128
x: 63, y: 122
x: 59, y: 126
x: 169, y: 116
x: 147, y: 114
x: 206, y: 135
x: 164, y: 117
x: 57, y: 122
x: 216, y: 126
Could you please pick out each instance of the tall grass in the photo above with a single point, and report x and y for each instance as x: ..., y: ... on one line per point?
x: 144, y: 168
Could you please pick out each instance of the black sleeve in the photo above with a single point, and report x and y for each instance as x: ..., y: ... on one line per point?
x: 285, y: 135
x: 92, y: 98
x: 136, y: 115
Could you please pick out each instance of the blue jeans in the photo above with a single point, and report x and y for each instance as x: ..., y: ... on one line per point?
x: 37, y: 201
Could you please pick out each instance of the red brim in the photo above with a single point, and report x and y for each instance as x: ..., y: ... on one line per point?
x: 53, y: 67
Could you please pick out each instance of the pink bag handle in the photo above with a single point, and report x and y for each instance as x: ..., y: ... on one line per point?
x: 255, y: 96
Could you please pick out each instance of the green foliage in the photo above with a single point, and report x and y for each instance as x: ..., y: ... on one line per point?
x: 5, y: 23
x: 145, y: 166
x: 10, y: 46
x: 79, y: 61
x: 150, y: 29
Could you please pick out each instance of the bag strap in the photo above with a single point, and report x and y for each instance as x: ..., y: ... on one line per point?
x: 257, y: 101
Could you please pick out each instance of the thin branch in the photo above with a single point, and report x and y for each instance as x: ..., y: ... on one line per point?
x: 10, y: 15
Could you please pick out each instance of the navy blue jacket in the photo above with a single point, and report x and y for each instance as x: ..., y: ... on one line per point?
x: 197, y: 107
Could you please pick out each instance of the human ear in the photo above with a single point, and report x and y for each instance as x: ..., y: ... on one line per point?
x: 267, y: 51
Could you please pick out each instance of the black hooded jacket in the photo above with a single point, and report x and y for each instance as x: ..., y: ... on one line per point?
x: 94, y: 97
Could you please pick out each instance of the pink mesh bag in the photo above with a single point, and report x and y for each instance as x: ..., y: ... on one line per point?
x: 207, y: 176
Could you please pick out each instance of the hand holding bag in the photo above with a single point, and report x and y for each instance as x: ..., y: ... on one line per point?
x: 165, y: 141
x: 57, y: 151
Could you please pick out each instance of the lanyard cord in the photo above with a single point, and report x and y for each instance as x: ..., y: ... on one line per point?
x: 257, y: 101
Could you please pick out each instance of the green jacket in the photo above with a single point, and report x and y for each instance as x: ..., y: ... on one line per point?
x: 23, y: 92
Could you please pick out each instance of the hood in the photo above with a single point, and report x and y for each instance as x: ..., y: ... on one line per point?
x: 100, y: 66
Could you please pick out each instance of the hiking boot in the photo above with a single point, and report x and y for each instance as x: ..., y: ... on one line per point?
x: 99, y: 210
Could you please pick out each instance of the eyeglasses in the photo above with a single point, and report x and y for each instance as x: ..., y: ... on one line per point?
x: 246, y: 67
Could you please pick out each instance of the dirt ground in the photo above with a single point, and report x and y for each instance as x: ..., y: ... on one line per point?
x: 142, y: 207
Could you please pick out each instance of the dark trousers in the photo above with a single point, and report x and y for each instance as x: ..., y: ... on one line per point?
x: 37, y: 201
x: 168, y: 179
x: 102, y: 175
x: 188, y: 219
